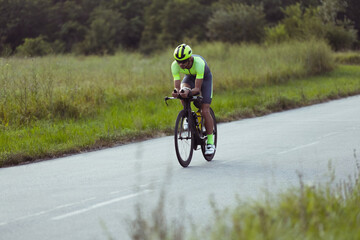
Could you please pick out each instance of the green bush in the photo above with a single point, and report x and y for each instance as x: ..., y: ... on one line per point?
x: 34, y: 47
x: 182, y: 26
x: 58, y: 46
x: 5, y: 50
x: 340, y: 38
x: 276, y: 34
x: 237, y: 23
x: 106, y: 29
x: 319, y: 58
x: 301, y: 25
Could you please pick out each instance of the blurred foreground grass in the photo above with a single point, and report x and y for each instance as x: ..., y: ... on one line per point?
x: 327, y: 210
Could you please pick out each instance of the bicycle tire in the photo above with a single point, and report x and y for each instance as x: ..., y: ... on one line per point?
x: 195, y: 131
x: 184, y: 140
x: 210, y: 157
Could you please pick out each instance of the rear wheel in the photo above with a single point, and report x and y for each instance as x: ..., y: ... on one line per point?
x: 203, y: 145
x: 184, y: 140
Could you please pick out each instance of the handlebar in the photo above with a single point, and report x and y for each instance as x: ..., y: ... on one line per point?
x: 193, y: 98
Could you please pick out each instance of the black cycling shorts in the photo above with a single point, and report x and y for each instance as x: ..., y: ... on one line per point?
x: 206, y: 87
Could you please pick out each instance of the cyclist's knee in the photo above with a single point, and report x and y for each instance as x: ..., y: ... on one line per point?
x: 205, y: 108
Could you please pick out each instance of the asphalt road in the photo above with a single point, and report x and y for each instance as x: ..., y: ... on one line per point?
x: 95, y: 195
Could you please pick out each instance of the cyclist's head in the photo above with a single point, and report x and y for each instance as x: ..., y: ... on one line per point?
x: 182, y: 52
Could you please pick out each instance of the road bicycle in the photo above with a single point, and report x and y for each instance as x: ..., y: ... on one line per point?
x: 190, y: 133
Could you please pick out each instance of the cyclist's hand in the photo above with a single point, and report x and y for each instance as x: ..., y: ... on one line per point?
x: 175, y: 93
x: 184, y: 92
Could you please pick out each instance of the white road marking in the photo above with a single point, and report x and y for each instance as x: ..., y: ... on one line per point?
x: 298, y: 147
x: 98, y: 205
x: 330, y: 134
x: 115, y: 192
x: 45, y: 212
x: 310, y: 144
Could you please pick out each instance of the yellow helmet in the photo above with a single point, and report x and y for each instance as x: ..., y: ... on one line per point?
x: 182, y: 52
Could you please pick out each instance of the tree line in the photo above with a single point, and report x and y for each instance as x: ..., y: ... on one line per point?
x: 39, y: 27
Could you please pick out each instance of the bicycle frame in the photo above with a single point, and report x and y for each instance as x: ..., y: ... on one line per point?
x: 193, y: 125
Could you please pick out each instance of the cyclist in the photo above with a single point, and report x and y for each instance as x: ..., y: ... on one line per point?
x: 197, y: 79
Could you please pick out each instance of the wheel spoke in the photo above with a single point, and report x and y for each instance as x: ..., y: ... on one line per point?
x: 183, y: 141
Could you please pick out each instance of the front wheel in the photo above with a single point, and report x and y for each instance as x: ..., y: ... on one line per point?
x: 203, y: 145
x: 184, y: 139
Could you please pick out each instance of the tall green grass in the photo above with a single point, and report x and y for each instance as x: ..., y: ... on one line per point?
x: 348, y: 57
x: 250, y: 102
x: 252, y: 65
x: 68, y: 87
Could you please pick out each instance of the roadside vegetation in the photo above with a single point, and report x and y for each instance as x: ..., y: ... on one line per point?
x: 328, y: 210
x: 264, y: 56
x: 56, y: 105
x: 348, y: 57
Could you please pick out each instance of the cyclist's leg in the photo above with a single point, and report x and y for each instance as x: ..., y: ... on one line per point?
x: 209, y: 148
x: 209, y: 124
x: 188, y: 81
x: 206, y: 91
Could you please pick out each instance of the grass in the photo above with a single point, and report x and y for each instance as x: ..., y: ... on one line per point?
x: 68, y: 87
x: 251, y: 102
x: 348, y: 57
x: 322, y: 211
x: 138, y: 119
x: 65, y: 104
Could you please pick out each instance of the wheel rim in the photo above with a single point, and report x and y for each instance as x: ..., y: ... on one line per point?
x: 183, y: 142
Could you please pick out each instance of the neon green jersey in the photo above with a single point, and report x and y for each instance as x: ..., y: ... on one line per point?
x: 198, y: 68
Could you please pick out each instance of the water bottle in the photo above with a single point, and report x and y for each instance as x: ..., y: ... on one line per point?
x: 198, y: 119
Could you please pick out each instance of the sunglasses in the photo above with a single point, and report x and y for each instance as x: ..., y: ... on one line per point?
x: 183, y: 61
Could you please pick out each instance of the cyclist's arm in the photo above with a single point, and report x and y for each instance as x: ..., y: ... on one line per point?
x: 175, y: 71
x: 177, y: 84
x: 197, y: 88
